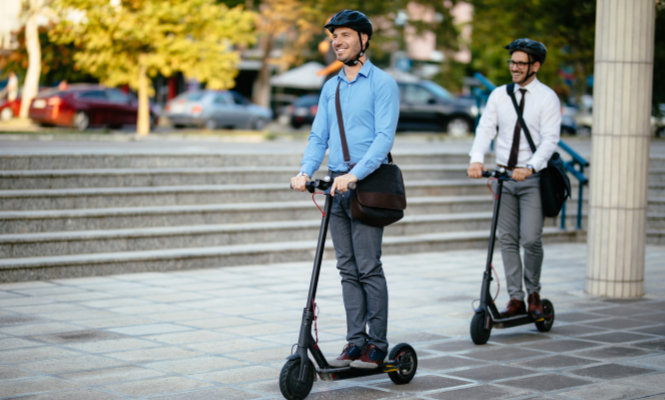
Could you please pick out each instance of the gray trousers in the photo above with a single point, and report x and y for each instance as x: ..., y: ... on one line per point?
x: 521, y: 218
x: 364, y: 289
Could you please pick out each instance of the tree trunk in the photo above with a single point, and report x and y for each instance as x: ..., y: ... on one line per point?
x: 262, y: 86
x: 143, y: 120
x: 31, y: 84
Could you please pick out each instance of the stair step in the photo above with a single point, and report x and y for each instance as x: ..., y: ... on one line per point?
x: 151, y: 177
x: 55, y: 267
x: 198, y: 194
x: 656, y: 237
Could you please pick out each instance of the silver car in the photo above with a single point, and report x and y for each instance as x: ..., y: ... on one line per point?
x: 214, y: 109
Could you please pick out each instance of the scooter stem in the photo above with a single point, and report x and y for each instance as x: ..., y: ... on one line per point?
x: 485, y: 296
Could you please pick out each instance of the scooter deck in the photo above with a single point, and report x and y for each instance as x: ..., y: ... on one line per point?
x: 336, y: 374
x: 517, y: 320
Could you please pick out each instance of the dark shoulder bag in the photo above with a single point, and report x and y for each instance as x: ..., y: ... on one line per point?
x: 379, y: 199
x: 554, y: 182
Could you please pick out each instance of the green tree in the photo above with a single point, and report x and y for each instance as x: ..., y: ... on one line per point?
x: 566, y: 27
x: 125, y: 41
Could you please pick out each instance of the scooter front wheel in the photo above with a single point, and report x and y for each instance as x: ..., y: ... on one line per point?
x: 407, y: 361
x: 548, y: 312
x: 480, y: 333
x: 289, y: 380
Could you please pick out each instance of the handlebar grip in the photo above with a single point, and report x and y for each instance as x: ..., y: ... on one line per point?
x: 352, y: 186
x: 487, y: 174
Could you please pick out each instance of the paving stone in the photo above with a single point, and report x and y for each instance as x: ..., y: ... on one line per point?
x: 34, y: 385
x: 13, y: 373
x: 610, y: 371
x: 617, y: 337
x: 654, y: 330
x: 546, y: 383
x: 18, y: 320
x: 194, y: 365
x: 656, y: 361
x: 77, y: 336
x: 35, y: 353
x: 518, y: 338
x: 613, y: 352
x: 14, y: 343
x: 38, y: 329
x: 446, y: 363
x: 491, y: 373
x: 456, y: 345
x: 71, y: 364
x: 356, y: 393
x: 561, y: 346
x: 606, y: 392
x: 101, y: 323
x: 239, y: 375
x: 81, y: 394
x: 555, y: 362
x: 423, y: 383
x: 107, y: 346
x: 622, y: 311
x: 415, y: 337
x: 190, y: 337
x: 619, y: 323
x: 149, y: 329
x: 654, y: 381
x: 212, y: 394
x: 504, y: 354
x: 112, y: 375
x: 482, y: 392
x: 157, y: 386
x: 153, y: 354
x: 578, y: 317
x: 652, y: 345
x: 575, y: 330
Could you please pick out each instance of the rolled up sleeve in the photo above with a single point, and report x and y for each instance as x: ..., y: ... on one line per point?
x: 317, y: 144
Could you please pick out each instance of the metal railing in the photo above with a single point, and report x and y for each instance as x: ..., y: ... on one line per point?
x: 575, y: 166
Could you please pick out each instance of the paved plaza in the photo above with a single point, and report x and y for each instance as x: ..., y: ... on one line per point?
x: 224, y: 333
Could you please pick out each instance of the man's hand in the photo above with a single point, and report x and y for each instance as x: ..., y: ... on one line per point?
x: 520, y: 174
x: 475, y: 170
x: 298, y: 182
x: 341, y: 183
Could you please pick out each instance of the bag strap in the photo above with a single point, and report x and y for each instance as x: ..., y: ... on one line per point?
x: 342, y: 132
x: 511, y: 92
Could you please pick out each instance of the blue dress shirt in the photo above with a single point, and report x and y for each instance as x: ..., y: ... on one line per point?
x: 370, y: 108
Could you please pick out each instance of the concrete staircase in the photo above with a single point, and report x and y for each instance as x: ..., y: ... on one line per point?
x: 64, y: 215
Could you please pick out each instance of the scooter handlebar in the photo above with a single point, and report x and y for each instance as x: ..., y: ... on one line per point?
x: 497, y: 173
x: 320, y: 184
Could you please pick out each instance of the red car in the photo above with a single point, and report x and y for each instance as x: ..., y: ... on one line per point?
x: 9, y: 109
x: 81, y: 106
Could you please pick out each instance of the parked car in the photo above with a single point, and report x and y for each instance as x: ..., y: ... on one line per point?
x: 303, y: 110
x: 424, y: 105
x: 82, y: 106
x: 9, y: 109
x: 214, y: 109
x: 584, y: 121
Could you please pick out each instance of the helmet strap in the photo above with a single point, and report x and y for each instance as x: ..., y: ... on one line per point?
x: 529, y: 74
x: 356, y: 60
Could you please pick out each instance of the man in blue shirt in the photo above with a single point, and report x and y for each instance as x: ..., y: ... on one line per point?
x: 370, y: 107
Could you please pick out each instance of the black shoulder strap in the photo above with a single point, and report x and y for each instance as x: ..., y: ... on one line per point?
x: 511, y: 92
x: 342, y: 132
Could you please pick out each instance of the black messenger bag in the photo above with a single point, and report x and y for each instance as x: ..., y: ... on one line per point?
x: 554, y: 182
x: 380, y: 199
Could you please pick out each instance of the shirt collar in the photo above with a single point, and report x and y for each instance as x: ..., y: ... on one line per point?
x: 531, y: 87
x: 364, y: 71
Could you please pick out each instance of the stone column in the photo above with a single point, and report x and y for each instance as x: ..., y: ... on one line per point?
x: 620, y: 147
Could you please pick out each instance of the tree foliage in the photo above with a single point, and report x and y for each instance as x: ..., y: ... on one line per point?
x: 122, y: 40
x: 57, y: 60
x: 566, y: 27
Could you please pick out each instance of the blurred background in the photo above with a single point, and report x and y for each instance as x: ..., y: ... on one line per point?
x: 165, y: 65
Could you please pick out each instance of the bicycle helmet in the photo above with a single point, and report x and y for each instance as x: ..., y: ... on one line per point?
x: 356, y: 21
x: 533, y: 49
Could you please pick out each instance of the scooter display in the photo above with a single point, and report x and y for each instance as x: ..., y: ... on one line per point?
x: 486, y: 314
x: 299, y: 373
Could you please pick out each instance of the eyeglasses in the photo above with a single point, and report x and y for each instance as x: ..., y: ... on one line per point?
x: 519, y: 63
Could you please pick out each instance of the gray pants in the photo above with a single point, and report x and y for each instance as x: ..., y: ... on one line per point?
x: 358, y: 252
x: 521, y: 217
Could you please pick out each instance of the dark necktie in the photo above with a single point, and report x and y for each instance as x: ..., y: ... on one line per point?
x: 515, y: 149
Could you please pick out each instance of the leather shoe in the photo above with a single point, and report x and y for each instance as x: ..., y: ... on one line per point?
x: 535, y: 307
x: 514, y: 307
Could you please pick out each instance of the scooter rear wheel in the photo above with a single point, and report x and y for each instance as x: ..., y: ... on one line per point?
x: 404, y: 355
x: 548, y: 311
x: 289, y: 380
x: 480, y: 334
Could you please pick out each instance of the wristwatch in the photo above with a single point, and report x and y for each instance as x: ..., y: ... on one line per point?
x: 304, y: 174
x: 533, y: 170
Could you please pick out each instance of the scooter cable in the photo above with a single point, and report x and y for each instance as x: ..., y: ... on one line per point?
x: 316, y: 309
x: 489, y: 186
x: 317, y: 204
x: 498, y: 283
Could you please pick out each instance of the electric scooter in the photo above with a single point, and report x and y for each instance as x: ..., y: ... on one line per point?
x: 299, y: 373
x: 486, y: 315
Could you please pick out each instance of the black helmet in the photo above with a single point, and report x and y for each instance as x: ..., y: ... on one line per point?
x: 351, y: 19
x: 535, y: 49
